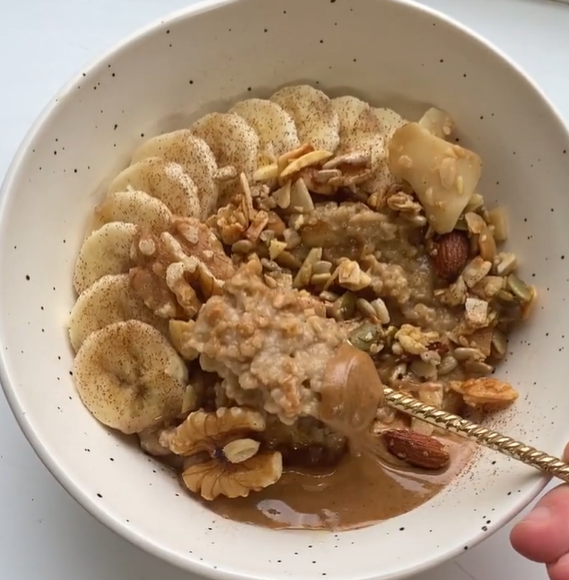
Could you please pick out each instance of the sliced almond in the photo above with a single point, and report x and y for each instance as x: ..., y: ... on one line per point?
x: 308, y: 160
x: 266, y: 173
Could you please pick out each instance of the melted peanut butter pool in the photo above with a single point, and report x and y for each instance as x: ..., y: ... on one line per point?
x: 359, y: 492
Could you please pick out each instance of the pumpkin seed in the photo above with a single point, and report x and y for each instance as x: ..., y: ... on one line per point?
x: 417, y: 221
x: 242, y: 247
x: 461, y: 224
x: 390, y: 335
x: 499, y: 344
x: 365, y: 307
x: 365, y: 335
x: 519, y: 288
x: 329, y: 296
x: 506, y: 297
x: 345, y: 307
x: 288, y: 260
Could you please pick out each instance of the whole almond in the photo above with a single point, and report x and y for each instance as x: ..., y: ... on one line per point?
x: 416, y: 449
x: 450, y: 254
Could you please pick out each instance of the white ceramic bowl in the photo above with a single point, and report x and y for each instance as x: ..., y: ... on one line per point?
x: 390, y: 52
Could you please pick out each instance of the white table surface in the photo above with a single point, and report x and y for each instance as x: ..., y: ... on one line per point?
x: 44, y: 534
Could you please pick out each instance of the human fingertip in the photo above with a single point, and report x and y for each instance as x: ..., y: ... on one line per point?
x: 560, y: 569
x: 531, y: 536
x: 538, y: 515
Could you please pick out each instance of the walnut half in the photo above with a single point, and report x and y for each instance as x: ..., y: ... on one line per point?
x: 214, y: 477
x: 225, y: 458
x: 485, y: 393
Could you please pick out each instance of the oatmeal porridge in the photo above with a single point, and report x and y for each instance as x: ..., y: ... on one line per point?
x: 251, y: 282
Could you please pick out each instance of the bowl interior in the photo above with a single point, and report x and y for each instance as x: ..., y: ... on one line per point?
x: 388, y: 52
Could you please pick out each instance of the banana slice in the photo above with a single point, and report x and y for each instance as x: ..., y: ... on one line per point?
x: 383, y: 179
x: 389, y: 121
x: 130, y: 377
x: 355, y: 116
x: 274, y: 126
x: 105, y: 251
x: 194, y: 155
x: 361, y: 130
x: 231, y: 139
x: 316, y: 119
x: 133, y: 207
x: 110, y: 299
x: 164, y: 180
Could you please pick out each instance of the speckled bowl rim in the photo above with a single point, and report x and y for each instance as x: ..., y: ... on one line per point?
x: 73, y: 487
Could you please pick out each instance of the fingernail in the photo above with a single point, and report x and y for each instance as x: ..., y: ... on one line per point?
x: 538, y: 515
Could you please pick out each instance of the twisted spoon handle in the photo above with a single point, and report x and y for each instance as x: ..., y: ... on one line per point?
x: 481, y: 435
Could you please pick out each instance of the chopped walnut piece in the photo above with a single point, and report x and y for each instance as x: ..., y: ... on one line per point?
x: 180, y: 330
x: 152, y: 290
x: 176, y: 271
x: 258, y: 223
x: 199, y: 241
x: 228, y: 223
x: 214, y: 477
x: 234, y: 467
x: 486, y: 393
x: 413, y: 340
x: 178, y: 284
x: 404, y: 203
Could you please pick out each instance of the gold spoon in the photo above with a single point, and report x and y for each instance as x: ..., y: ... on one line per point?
x: 481, y: 435
x: 352, y: 391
